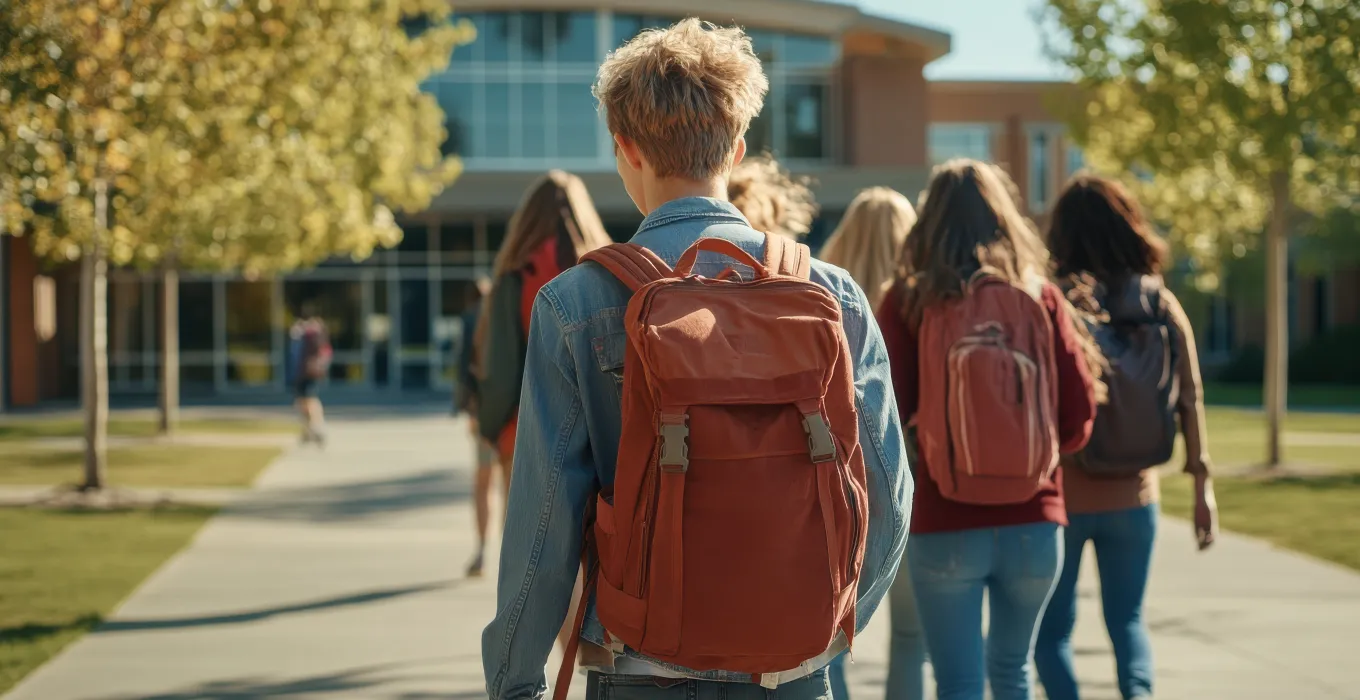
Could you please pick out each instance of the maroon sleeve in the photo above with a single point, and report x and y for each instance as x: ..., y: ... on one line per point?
x: 1076, y: 388
x: 901, y: 346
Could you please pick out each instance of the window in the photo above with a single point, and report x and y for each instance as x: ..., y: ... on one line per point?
x: 1039, y: 171
x: 519, y: 97
x: 1075, y: 159
x: 946, y: 141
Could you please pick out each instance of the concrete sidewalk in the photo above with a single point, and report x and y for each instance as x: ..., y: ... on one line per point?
x: 340, y: 577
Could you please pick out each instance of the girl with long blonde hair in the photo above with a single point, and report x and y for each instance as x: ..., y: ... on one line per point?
x: 772, y: 199
x: 869, y: 239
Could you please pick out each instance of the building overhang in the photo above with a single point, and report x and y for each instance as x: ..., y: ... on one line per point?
x: 836, y: 20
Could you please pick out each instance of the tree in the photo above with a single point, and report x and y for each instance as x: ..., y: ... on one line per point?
x: 253, y: 136
x: 1230, y: 117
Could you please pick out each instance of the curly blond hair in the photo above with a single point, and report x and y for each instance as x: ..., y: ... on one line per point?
x: 684, y: 95
x: 770, y: 198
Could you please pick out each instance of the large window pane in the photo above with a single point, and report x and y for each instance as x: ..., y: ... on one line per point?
x: 493, y: 37
x: 533, y: 36
x: 249, y: 316
x: 577, y: 121
x: 415, y: 316
x: 459, y: 102
x: 575, y: 34
x: 497, y: 141
x: 627, y: 26
x: 804, y: 109
x: 808, y: 51
x: 534, y: 120
x: 945, y: 141
x: 759, y: 136
x: 1040, y: 171
x: 196, y: 316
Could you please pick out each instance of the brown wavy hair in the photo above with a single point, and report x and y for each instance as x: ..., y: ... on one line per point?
x: 1098, y: 229
x: 967, y: 221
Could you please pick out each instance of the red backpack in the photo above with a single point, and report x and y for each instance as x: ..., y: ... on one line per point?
x: 734, y: 532
x: 986, y: 423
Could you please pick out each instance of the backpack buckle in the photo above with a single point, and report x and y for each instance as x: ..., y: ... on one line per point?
x: 820, y: 444
x: 674, y: 444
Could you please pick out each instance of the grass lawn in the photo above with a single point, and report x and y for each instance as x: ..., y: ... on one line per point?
x: 1237, y: 440
x: 1306, y: 396
x: 142, y: 465
x: 63, y: 571
x: 1318, y: 514
x: 28, y: 428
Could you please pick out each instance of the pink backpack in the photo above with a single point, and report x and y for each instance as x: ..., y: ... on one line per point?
x: 986, y: 423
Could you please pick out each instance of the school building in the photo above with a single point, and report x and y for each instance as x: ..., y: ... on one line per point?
x: 849, y: 105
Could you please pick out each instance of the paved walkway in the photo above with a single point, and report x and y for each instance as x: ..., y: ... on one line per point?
x: 339, y: 577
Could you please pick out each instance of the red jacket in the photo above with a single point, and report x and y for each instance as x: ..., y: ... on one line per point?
x: 932, y: 512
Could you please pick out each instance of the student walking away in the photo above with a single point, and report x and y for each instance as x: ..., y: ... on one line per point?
x: 771, y: 199
x: 867, y: 244
x: 466, y: 401
x: 555, y: 224
x: 988, y: 365
x: 706, y: 420
x: 1110, y: 259
x: 311, y: 353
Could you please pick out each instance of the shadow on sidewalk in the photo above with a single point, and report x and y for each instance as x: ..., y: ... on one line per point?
x: 175, y: 623
x: 359, y: 679
x: 357, y: 500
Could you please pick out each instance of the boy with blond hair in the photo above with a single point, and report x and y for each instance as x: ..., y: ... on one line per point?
x: 678, y: 102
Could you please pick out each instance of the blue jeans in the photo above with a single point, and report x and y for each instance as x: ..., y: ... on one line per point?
x: 1123, y: 540
x: 600, y: 686
x: 1017, y: 566
x: 907, y: 646
x: 835, y: 672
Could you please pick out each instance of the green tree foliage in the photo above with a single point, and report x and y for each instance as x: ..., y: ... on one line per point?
x: 256, y: 135
x: 1209, y: 99
x: 248, y: 134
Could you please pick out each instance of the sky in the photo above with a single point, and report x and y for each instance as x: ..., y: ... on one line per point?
x: 992, y: 39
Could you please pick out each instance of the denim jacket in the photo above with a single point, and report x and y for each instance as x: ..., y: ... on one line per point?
x: 569, y: 425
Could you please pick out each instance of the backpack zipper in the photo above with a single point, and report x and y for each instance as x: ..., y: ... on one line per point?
x: 854, y: 513
x: 651, y: 487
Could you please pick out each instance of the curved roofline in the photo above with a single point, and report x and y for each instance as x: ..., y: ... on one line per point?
x: 805, y: 16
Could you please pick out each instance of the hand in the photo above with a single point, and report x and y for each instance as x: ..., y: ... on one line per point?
x: 1206, y: 512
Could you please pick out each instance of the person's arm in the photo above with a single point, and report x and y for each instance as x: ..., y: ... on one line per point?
x: 502, y: 359
x: 1190, y: 408
x: 554, y: 479
x: 901, y: 345
x: 885, y: 458
x: 1076, y: 388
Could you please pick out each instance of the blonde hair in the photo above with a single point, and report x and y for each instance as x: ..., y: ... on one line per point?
x: 770, y: 198
x: 868, y: 241
x: 684, y: 95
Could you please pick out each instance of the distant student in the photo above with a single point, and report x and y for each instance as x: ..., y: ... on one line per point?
x: 1106, y: 252
x: 310, y: 349
x: 706, y: 417
x: 987, y: 362
x: 770, y: 198
x: 867, y: 244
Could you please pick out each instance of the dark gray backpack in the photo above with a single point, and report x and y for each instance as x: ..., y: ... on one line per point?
x: 1136, y: 429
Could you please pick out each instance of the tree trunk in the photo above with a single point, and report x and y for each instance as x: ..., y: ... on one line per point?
x: 1277, y: 317
x: 169, y: 379
x: 94, y: 357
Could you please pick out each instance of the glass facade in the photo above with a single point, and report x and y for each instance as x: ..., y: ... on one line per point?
x: 945, y: 141
x: 518, y: 98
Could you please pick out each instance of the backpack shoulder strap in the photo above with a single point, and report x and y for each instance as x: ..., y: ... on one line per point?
x: 785, y: 256
x: 632, y: 264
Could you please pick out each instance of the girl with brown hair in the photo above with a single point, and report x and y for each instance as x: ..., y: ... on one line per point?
x: 1107, y: 254
x: 1003, y: 536
x: 770, y: 198
x: 555, y: 224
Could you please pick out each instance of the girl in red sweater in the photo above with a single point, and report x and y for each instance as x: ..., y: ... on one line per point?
x: 969, y: 227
